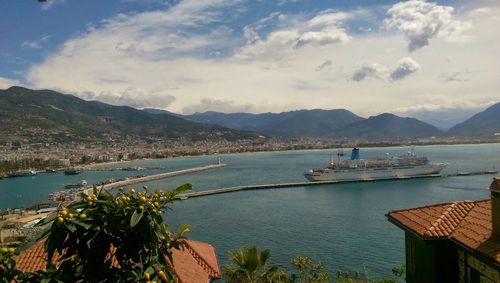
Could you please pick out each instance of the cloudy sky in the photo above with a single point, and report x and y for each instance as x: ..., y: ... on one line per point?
x: 412, y: 58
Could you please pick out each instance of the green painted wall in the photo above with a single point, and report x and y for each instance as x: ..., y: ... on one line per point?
x: 434, y: 261
x: 420, y: 260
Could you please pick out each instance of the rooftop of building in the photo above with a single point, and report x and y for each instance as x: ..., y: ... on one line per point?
x: 468, y: 223
x: 196, y: 262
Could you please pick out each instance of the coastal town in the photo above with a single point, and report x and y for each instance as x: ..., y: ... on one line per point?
x: 286, y: 141
x: 18, y: 156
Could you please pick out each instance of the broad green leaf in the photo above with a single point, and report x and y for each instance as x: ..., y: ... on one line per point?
x: 85, y: 226
x: 136, y: 217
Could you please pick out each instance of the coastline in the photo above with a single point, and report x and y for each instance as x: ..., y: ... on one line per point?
x: 96, y: 166
x: 367, y: 145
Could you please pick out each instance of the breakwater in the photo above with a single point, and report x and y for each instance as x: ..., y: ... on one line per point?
x: 132, y: 181
x: 302, y: 184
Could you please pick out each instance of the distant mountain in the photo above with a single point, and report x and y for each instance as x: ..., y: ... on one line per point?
x: 300, y: 123
x: 337, y: 123
x: 443, y: 119
x: 314, y: 123
x: 25, y: 112
x: 388, y: 126
x: 161, y: 111
x: 485, y: 123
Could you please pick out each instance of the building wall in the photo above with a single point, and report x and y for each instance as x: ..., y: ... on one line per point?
x: 434, y: 261
x: 446, y: 261
x: 420, y: 260
x: 474, y: 270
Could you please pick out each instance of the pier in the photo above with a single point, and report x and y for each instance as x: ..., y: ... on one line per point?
x: 303, y: 184
x: 155, y: 177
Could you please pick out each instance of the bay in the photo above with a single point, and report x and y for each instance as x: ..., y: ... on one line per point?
x: 343, y: 225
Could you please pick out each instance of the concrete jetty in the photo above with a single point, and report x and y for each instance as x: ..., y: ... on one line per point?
x: 302, y: 184
x: 155, y: 177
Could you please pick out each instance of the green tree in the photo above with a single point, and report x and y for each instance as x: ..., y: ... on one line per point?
x: 8, y: 271
x: 106, y: 238
x: 250, y: 266
x: 309, y: 272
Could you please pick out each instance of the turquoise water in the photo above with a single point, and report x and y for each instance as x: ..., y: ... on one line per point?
x: 343, y: 225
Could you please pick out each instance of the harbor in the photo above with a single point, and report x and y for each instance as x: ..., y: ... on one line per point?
x: 160, y: 176
x: 343, y: 211
x: 318, y: 183
x: 72, y: 192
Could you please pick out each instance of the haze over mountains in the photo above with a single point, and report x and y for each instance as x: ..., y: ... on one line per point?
x: 65, y: 116
x: 486, y: 122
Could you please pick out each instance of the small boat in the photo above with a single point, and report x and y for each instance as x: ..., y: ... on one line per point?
x: 79, y: 186
x: 72, y: 171
x: 49, y: 170
x: 22, y: 173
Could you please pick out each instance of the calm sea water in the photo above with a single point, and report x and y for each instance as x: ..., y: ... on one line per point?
x: 343, y: 225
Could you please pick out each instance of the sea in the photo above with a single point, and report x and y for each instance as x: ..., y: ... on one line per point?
x: 343, y: 225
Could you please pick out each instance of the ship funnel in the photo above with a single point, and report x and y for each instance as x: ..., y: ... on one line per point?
x: 355, y: 154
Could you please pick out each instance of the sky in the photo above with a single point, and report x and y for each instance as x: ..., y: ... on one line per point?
x: 436, y: 60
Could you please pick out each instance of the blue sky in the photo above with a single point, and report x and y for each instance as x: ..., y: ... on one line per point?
x: 257, y: 56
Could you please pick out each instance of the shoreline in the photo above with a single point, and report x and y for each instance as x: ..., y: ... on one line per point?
x: 94, y: 166
x: 103, y: 164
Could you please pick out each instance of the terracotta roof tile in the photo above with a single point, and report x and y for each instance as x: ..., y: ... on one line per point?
x: 197, y: 262
x: 433, y: 220
x: 33, y: 258
x: 468, y: 223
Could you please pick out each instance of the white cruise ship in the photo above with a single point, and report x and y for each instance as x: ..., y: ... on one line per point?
x: 356, y: 169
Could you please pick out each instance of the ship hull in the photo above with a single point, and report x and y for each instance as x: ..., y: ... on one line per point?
x: 367, y: 174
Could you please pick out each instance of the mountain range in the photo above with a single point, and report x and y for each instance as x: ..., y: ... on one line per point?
x: 64, y: 117
x: 336, y: 123
x: 341, y: 123
x: 483, y: 123
x: 67, y: 117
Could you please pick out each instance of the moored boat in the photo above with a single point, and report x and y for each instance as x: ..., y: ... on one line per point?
x: 357, y: 169
x: 22, y: 173
x: 79, y: 186
x: 72, y: 171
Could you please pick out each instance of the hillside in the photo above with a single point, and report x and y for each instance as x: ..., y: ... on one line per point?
x: 300, y: 123
x: 485, y: 123
x: 337, y: 123
x: 388, y: 126
x: 35, y: 113
x: 314, y: 123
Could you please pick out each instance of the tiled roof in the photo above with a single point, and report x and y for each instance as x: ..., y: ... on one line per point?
x: 33, y: 258
x: 197, y: 262
x: 465, y: 222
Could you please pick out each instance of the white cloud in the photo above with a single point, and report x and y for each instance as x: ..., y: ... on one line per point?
x: 421, y: 21
x: 47, y: 5
x: 131, y: 97
x: 6, y: 83
x: 370, y: 70
x: 186, y: 58
x: 226, y: 106
x: 323, y: 37
x: 404, y: 68
x: 324, y: 29
x: 327, y: 65
x: 36, y: 44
